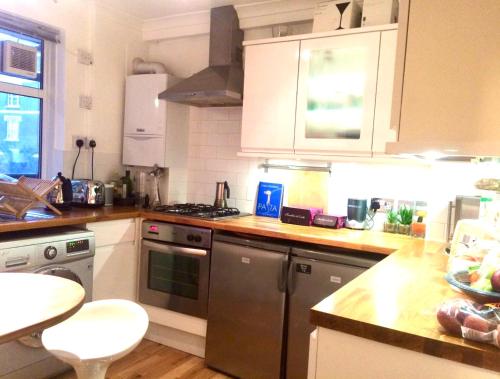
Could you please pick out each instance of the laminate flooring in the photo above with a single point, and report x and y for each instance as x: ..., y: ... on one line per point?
x: 151, y: 360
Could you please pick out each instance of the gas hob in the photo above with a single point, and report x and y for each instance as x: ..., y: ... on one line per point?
x: 203, y: 211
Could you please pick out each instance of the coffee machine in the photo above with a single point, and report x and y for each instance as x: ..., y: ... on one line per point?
x: 221, y: 195
x: 359, y: 216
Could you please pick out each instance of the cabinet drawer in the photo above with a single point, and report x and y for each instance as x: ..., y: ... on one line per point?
x: 113, y: 232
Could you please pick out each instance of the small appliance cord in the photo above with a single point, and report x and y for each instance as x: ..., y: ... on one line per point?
x: 92, y: 177
x: 74, y: 164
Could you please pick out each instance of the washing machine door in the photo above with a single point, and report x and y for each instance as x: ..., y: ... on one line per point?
x: 62, y: 272
x: 34, y: 339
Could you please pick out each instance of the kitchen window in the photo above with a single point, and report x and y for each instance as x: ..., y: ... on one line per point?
x: 27, y: 105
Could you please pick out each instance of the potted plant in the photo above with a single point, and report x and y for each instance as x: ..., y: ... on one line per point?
x: 405, y: 218
x: 390, y: 225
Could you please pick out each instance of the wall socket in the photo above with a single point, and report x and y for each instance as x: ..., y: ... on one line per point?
x: 385, y: 204
x: 85, y: 142
x: 85, y: 102
x: 84, y: 57
x: 408, y: 203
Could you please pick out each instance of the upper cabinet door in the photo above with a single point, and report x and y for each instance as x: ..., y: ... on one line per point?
x: 382, y: 132
x: 145, y: 114
x: 447, y: 99
x: 269, y: 97
x: 336, y: 94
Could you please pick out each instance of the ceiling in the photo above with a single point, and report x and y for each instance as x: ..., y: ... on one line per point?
x: 146, y: 9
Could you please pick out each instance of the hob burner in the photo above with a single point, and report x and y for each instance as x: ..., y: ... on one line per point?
x: 204, y: 211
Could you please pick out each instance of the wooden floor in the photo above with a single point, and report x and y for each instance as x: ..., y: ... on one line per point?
x: 151, y: 360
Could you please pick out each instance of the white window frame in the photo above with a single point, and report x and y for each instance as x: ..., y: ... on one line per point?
x: 52, y: 51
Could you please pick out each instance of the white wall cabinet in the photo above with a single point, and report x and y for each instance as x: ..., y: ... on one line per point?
x: 269, y: 97
x: 325, y: 94
x: 448, y: 81
x: 116, y: 259
x: 336, y: 93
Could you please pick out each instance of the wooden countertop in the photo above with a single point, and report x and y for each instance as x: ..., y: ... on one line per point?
x: 396, y: 301
x: 375, y: 242
x: 31, y: 302
x: 42, y: 218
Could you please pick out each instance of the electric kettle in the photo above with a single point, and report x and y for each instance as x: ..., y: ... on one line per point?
x: 221, y: 195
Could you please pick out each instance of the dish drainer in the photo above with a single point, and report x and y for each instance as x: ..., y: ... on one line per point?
x: 17, y: 197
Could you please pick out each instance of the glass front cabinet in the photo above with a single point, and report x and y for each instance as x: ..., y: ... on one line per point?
x: 343, y: 95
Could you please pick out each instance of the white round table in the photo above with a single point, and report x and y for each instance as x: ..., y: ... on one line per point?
x: 31, y: 302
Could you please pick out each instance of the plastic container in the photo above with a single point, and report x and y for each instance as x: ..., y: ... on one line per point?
x: 471, y: 320
x: 472, y: 241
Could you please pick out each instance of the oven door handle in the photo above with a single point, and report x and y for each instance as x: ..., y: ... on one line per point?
x: 163, y: 248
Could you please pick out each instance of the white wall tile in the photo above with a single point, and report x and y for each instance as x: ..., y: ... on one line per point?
x: 234, y: 113
x: 215, y: 140
x: 208, y: 152
x: 217, y: 113
x: 228, y: 127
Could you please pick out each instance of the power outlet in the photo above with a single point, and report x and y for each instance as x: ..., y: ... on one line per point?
x: 84, y: 57
x: 407, y: 203
x: 85, y: 142
x: 85, y: 102
x: 385, y: 204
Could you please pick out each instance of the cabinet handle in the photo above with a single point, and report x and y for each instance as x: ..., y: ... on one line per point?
x: 283, y: 276
x: 140, y: 130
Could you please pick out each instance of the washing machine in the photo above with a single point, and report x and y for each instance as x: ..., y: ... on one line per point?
x: 66, y: 252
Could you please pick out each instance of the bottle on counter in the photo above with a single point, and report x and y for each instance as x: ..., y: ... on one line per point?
x: 418, y: 228
x: 127, y: 187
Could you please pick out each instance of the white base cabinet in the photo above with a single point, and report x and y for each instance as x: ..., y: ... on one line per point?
x: 116, y: 259
x: 341, y: 355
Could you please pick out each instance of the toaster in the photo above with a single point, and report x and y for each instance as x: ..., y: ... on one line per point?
x: 87, y: 193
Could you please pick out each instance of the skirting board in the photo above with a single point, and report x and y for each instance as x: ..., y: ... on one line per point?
x: 190, y: 343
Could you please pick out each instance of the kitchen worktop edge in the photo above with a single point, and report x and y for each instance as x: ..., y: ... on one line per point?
x: 395, y: 302
x: 353, y: 309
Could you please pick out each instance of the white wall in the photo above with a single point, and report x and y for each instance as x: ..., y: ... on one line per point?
x: 214, y: 141
x: 114, y: 39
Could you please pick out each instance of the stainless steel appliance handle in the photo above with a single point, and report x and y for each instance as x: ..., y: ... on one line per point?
x: 283, y: 275
x: 162, y: 248
x: 448, y: 222
x: 291, y: 282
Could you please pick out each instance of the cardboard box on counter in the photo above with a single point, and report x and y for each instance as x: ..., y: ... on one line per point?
x: 337, y: 14
x: 380, y: 12
x: 299, y: 216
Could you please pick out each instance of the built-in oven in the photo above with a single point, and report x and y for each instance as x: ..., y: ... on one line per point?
x: 174, y: 267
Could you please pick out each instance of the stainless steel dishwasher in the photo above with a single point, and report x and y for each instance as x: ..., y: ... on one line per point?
x: 260, y: 296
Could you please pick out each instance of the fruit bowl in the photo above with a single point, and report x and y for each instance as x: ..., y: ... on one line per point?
x: 460, y: 280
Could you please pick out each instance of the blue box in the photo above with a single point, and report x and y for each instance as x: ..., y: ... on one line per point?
x: 269, y: 199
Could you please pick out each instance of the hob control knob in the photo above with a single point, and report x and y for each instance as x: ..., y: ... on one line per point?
x: 50, y: 252
x: 197, y: 239
x: 190, y: 237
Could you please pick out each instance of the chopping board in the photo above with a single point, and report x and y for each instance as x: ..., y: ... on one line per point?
x: 309, y: 189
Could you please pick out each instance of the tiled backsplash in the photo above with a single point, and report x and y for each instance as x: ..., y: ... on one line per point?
x: 215, y: 140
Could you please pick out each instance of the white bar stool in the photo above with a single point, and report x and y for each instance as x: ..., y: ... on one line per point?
x: 99, y: 333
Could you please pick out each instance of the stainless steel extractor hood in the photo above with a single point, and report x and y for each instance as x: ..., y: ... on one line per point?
x: 221, y: 83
